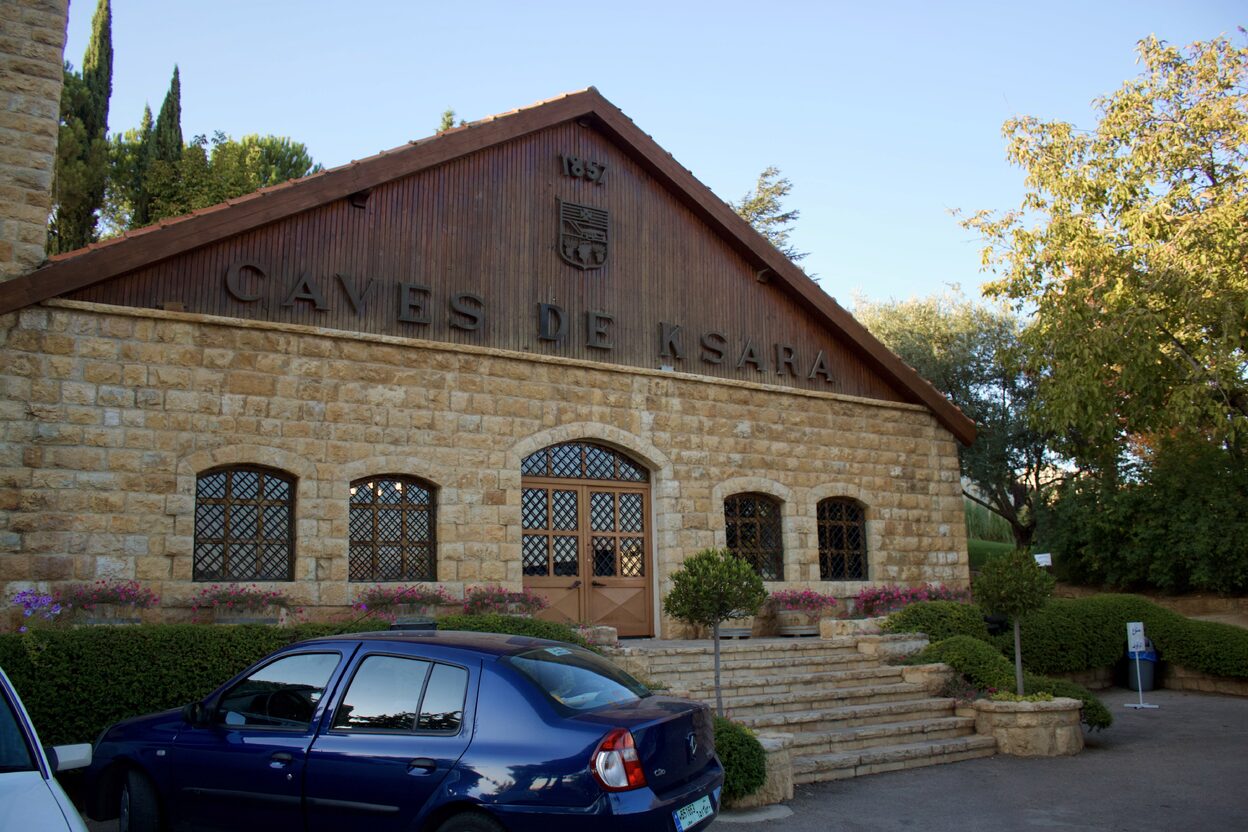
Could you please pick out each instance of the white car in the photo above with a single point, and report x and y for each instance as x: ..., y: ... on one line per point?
x: 30, y: 797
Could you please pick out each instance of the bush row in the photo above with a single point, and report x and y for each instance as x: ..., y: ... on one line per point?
x: 985, y: 667
x: 77, y: 681
x: 1070, y: 635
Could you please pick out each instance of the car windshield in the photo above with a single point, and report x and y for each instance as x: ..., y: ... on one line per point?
x: 14, y: 752
x: 576, y: 678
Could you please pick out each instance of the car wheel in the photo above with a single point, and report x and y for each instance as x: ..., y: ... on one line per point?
x: 138, y: 810
x: 470, y: 822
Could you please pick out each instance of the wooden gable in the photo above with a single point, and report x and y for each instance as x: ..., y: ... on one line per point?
x: 558, y: 230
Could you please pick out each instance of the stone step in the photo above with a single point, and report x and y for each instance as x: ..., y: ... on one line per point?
x: 811, y: 743
x: 849, y: 716
x: 792, y: 680
x: 823, y: 767
x: 703, y: 667
x: 738, y: 707
x: 661, y: 653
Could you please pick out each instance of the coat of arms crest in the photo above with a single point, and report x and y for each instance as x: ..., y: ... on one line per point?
x: 582, y: 235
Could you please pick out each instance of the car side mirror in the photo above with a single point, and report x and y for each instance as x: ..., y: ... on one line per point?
x: 196, y: 714
x: 69, y: 757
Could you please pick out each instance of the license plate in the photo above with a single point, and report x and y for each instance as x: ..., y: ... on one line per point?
x: 693, y: 814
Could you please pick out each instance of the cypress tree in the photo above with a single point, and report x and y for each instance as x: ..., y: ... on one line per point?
x: 166, y: 145
x: 81, y: 170
x: 97, y: 71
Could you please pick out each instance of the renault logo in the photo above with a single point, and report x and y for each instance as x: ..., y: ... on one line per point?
x: 691, y: 742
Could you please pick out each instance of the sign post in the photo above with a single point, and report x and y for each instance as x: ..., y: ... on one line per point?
x: 1136, y: 643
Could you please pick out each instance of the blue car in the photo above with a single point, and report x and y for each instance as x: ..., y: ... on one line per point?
x: 419, y: 731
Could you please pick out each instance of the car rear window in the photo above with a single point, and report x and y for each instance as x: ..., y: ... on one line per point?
x: 576, y: 678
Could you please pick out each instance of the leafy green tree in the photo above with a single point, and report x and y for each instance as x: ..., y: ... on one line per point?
x: 126, y: 204
x: 81, y: 169
x: 1013, y: 586
x: 971, y: 353
x: 709, y: 588
x: 1131, y: 248
x: 763, y: 208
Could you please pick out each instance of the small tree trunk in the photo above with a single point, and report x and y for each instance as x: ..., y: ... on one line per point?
x: 719, y: 694
x: 1018, y: 659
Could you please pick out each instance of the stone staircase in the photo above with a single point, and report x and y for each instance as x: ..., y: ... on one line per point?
x: 847, y: 713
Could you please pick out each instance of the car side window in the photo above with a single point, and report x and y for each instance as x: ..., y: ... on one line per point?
x: 14, y: 751
x: 394, y: 693
x: 282, y: 694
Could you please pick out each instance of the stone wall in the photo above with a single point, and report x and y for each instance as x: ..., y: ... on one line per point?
x: 32, y: 42
x: 108, y: 414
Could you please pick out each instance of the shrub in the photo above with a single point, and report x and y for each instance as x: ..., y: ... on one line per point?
x: 984, y: 667
x: 124, y: 593
x: 806, y: 600
x: 484, y: 600
x: 939, y: 620
x: 238, y: 597
x: 513, y: 625
x: 745, y: 762
x: 1006, y: 696
x: 77, y: 681
x: 381, y: 599
x: 880, y: 600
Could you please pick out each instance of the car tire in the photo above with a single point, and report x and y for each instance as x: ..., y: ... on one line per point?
x: 138, y: 809
x: 470, y: 822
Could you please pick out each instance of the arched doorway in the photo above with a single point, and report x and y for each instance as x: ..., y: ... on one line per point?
x: 586, y: 545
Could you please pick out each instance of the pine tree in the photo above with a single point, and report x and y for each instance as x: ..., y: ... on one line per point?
x: 448, y: 120
x: 763, y: 209
x: 81, y: 170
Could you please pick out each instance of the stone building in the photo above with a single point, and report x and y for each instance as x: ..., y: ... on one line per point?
x: 532, y: 351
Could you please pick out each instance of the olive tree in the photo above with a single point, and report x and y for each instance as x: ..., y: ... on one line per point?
x: 709, y: 588
x: 1013, y: 586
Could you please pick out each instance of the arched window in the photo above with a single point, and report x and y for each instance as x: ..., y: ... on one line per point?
x: 582, y: 461
x: 842, y: 540
x: 752, y: 525
x: 244, y: 525
x: 393, y: 519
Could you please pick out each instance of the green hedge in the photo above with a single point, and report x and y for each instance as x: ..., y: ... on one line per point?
x: 1070, y: 635
x: 985, y: 667
x: 939, y: 620
x: 76, y: 681
x: 745, y: 762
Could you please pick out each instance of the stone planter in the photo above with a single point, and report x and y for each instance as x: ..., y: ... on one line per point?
x: 109, y: 615
x: 737, y: 627
x: 797, y: 623
x: 238, y: 615
x: 836, y: 627
x: 1032, y: 729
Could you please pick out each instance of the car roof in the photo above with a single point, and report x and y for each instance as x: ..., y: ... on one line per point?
x: 493, y: 644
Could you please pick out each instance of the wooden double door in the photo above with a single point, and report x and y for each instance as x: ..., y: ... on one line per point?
x: 586, y: 548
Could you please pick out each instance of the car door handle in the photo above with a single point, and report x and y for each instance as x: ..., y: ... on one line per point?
x: 281, y: 758
x: 425, y: 764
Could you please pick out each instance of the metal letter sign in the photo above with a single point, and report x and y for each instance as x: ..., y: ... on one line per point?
x: 582, y: 235
x: 1135, y: 636
x: 1136, y: 646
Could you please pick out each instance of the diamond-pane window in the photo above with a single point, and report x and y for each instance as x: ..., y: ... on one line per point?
x: 602, y: 511
x: 583, y: 461
x: 244, y: 525
x: 752, y: 531
x: 842, y: 540
x: 392, y: 523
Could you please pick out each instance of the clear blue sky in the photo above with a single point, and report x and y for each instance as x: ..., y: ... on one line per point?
x: 884, y: 115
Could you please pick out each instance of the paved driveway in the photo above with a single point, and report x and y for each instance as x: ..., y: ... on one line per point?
x: 1183, y: 766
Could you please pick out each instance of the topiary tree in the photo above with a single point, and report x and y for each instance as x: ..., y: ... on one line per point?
x: 1013, y: 586
x: 709, y: 588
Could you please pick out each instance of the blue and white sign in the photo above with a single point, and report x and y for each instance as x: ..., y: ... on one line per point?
x: 1135, y: 636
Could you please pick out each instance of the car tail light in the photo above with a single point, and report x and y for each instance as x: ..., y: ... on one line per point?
x: 616, y: 765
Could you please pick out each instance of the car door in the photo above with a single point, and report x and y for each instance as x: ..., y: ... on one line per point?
x: 398, y: 729
x: 245, y: 768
